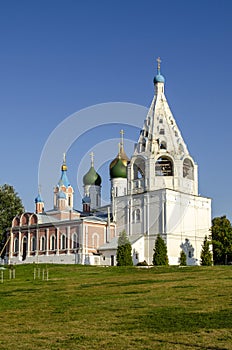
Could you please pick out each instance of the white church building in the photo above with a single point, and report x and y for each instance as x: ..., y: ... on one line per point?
x: 158, y: 192
x: 154, y: 192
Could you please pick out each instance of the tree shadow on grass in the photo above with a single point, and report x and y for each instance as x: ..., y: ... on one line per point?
x: 180, y: 320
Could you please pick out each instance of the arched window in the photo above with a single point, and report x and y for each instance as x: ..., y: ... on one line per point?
x: 139, y: 169
x: 95, y: 240
x: 16, y: 245
x: 163, y: 145
x: 137, y: 215
x: 133, y: 216
x: 143, y: 147
x: 164, y: 167
x: 188, y: 171
x: 33, y: 244
x: 63, y: 241
x: 75, y: 242
x: 24, y: 241
x: 53, y: 243
x: 42, y: 243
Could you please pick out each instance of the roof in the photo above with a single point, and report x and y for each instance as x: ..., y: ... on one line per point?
x: 64, y: 179
x: 113, y: 244
x: 45, y: 219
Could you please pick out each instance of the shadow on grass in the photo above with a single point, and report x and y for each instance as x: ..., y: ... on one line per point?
x: 179, y: 320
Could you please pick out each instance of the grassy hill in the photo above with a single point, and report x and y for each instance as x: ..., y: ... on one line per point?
x: 84, y: 307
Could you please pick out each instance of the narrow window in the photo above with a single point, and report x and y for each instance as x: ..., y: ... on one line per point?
x: 16, y: 245
x: 53, y: 243
x: 63, y: 242
x: 33, y: 245
x: 42, y: 246
x: 163, y: 145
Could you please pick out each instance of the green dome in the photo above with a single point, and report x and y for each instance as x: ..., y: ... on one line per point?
x: 118, y: 169
x: 92, y: 178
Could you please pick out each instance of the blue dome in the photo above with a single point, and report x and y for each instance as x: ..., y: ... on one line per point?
x: 38, y: 199
x: 61, y: 195
x: 159, y: 79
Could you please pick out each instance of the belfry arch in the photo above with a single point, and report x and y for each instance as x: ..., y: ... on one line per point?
x: 164, y: 167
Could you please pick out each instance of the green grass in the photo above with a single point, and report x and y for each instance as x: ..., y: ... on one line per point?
x: 84, y: 307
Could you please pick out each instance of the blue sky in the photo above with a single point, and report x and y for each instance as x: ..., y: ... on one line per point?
x: 58, y: 57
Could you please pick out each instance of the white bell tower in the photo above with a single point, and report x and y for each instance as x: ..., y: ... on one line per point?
x: 161, y: 158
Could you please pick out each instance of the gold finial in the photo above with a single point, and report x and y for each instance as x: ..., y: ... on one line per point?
x: 92, y: 158
x: 158, y: 62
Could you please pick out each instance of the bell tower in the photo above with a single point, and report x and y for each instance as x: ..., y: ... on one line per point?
x: 161, y: 158
x: 63, y: 192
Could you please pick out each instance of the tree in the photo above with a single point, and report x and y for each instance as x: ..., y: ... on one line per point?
x: 206, y: 255
x: 10, y: 206
x: 183, y: 258
x: 160, y: 256
x: 123, y: 255
x: 221, y: 231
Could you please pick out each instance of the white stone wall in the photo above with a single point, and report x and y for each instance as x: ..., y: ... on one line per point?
x: 119, y: 186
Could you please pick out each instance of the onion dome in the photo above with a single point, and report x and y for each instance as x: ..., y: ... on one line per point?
x: 92, y: 178
x: 38, y: 199
x: 118, y: 166
x: 159, y: 78
x: 119, y: 169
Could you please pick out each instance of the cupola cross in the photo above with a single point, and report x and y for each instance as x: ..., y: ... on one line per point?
x: 158, y: 61
x: 92, y: 158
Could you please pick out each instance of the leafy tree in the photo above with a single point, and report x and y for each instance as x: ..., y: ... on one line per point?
x: 160, y: 256
x: 206, y: 255
x: 10, y: 206
x: 123, y: 255
x: 221, y: 231
x: 183, y: 258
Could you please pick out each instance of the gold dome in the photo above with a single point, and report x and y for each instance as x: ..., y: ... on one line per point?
x: 64, y: 167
